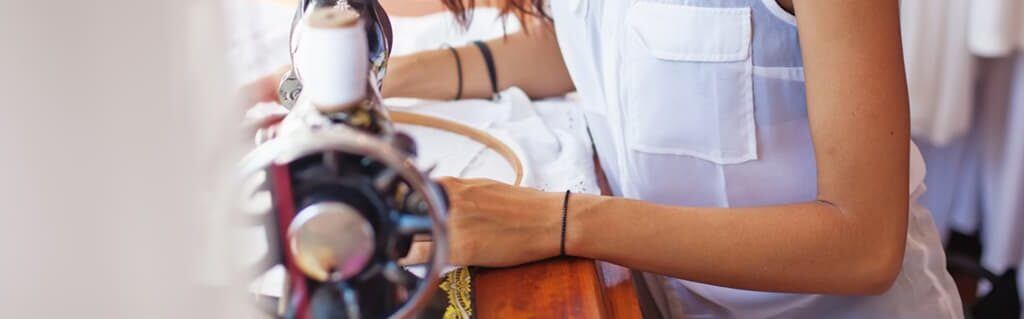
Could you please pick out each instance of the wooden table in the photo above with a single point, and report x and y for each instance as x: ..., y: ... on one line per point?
x: 557, y: 288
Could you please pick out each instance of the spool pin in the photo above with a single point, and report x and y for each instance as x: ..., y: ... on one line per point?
x: 332, y: 59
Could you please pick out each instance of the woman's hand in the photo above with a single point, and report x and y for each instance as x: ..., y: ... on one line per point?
x: 499, y: 225
x: 261, y: 90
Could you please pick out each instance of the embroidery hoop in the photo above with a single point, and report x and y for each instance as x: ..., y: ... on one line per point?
x: 460, y: 129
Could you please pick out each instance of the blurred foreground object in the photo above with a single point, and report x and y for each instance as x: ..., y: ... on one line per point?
x: 117, y: 155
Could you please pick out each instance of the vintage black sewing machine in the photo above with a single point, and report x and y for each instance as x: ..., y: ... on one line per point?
x: 347, y: 197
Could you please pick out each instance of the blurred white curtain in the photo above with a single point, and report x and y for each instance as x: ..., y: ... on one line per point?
x: 940, y: 68
x: 941, y: 74
x: 967, y: 115
x: 117, y: 142
x: 996, y: 27
x: 1000, y: 142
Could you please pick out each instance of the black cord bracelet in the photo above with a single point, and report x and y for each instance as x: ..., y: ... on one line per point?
x: 492, y: 72
x: 565, y: 219
x: 458, y: 67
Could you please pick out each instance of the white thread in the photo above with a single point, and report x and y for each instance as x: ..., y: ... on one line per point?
x: 333, y: 64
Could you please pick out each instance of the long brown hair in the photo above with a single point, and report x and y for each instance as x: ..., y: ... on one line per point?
x: 525, y: 10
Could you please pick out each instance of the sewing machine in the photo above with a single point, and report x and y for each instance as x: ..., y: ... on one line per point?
x: 348, y: 201
x: 347, y: 197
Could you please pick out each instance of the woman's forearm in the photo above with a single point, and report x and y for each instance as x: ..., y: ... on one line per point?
x: 531, y: 61
x: 801, y: 248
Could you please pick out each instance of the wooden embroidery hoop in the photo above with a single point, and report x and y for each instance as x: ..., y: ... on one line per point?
x: 456, y: 128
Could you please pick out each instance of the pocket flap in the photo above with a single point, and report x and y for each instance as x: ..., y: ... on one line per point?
x: 687, y: 33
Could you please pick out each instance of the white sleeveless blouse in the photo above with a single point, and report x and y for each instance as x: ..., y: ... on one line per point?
x: 702, y: 103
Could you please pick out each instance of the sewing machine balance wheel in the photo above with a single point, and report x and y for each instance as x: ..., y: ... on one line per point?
x: 348, y: 206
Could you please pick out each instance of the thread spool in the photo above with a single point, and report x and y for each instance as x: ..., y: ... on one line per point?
x: 332, y: 58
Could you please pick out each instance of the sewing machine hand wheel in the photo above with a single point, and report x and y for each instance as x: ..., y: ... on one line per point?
x: 352, y: 203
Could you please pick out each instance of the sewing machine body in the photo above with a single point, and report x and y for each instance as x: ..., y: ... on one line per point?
x: 347, y: 197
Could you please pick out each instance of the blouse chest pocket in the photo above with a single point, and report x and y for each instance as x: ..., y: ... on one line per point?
x: 687, y: 86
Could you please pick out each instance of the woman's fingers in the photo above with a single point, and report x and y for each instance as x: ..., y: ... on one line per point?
x: 260, y: 119
x: 263, y: 121
x: 419, y: 253
x: 262, y: 90
x: 260, y: 97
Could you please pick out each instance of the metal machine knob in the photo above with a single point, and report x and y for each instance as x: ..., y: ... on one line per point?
x: 330, y: 241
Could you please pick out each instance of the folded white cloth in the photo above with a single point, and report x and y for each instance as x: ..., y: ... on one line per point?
x: 549, y: 137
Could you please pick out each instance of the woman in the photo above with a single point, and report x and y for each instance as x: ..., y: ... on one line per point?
x: 760, y: 159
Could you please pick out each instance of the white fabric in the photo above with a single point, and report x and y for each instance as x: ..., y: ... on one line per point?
x: 963, y: 215
x: 549, y: 137
x: 693, y: 110
x: 940, y: 68
x: 996, y: 148
x: 952, y: 195
x: 996, y: 27
x: 684, y: 39
x: 697, y: 35
x: 1001, y: 146
x: 981, y: 185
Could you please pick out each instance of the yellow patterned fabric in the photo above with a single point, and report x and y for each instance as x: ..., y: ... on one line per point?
x: 458, y: 285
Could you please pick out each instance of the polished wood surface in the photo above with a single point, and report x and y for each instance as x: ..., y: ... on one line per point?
x: 556, y: 288
x: 619, y: 291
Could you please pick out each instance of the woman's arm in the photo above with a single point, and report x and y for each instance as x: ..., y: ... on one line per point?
x: 850, y: 241
x: 530, y: 61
